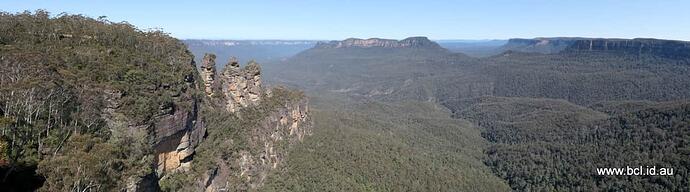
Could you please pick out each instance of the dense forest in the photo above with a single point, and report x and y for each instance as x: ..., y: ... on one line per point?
x: 93, y: 105
x: 544, y: 144
x: 377, y: 146
x: 87, y: 104
x: 60, y: 76
x: 549, y: 119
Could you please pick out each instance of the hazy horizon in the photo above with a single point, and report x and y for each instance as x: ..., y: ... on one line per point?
x: 336, y: 20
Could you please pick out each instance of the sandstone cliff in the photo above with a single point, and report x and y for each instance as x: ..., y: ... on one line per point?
x: 178, y: 129
x: 639, y: 46
x: 657, y: 47
x: 174, y: 131
x: 241, y: 87
x: 207, y: 72
x: 250, y: 131
x: 411, y: 42
x: 265, y: 151
x: 92, y: 105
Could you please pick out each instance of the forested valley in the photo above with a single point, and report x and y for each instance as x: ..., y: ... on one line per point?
x: 87, y: 104
x: 549, y: 120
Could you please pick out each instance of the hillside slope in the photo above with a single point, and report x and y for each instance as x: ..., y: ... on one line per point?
x: 374, y: 146
x: 549, y: 119
x: 92, y: 105
x: 427, y: 73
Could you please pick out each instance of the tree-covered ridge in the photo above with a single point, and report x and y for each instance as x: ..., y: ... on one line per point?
x: 229, y: 135
x: 73, y: 85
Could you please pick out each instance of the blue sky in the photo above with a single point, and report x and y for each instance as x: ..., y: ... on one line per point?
x: 331, y: 19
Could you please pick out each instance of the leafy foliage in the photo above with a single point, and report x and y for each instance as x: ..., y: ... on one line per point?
x: 549, y: 145
x: 88, y: 163
x: 227, y: 135
x: 73, y: 76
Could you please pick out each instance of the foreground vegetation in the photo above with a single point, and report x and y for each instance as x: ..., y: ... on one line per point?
x: 60, y: 77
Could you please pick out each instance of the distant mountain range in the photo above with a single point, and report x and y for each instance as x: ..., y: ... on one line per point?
x: 230, y: 43
x: 547, y: 104
x: 275, y: 50
x: 245, y: 50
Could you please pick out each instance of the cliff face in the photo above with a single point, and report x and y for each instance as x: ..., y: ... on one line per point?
x: 115, y: 108
x: 175, y: 131
x: 177, y: 135
x: 411, y: 42
x: 656, y: 47
x: 265, y: 143
x: 207, y: 72
x: 241, y: 87
x: 266, y: 149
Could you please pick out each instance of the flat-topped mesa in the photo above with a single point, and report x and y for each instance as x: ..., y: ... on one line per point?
x: 241, y: 87
x: 639, y: 46
x: 411, y: 42
x: 208, y: 73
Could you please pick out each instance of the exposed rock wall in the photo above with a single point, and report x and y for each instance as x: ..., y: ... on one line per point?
x: 241, y: 87
x: 208, y: 73
x: 663, y: 48
x: 657, y: 47
x: 177, y: 136
x: 268, y: 148
x: 177, y: 132
x: 174, y: 131
x: 411, y: 42
x: 267, y: 142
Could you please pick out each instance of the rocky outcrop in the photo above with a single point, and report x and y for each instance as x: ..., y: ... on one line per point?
x: 174, y: 131
x: 177, y: 136
x: 411, y: 42
x: 208, y: 73
x: 268, y: 144
x: 177, y: 131
x: 267, y: 141
x: 241, y: 87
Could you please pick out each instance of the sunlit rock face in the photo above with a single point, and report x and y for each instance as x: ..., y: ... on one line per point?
x: 640, y: 46
x: 241, y: 86
x: 268, y: 143
x: 412, y: 42
x: 175, y: 130
x: 208, y: 73
x: 177, y: 135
